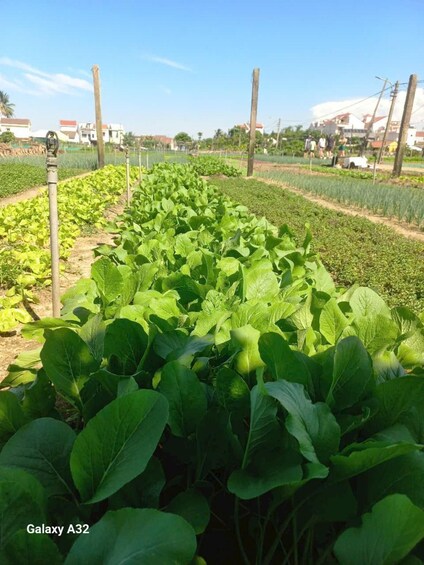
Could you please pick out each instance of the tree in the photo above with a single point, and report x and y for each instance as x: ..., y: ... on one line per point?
x: 129, y: 139
x: 182, y: 139
x: 199, y: 135
x: 7, y: 137
x: 6, y: 107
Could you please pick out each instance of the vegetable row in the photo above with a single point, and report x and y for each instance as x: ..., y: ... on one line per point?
x: 216, y: 390
x: 24, y: 235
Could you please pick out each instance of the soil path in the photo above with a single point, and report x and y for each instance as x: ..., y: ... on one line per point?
x: 401, y: 228
x: 77, y: 266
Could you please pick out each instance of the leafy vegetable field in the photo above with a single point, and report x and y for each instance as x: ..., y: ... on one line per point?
x: 353, y: 249
x: 15, y: 177
x: 209, y: 391
x: 24, y: 235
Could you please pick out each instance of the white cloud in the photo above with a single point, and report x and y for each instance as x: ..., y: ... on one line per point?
x: 359, y: 107
x: 45, y: 83
x: 167, y: 62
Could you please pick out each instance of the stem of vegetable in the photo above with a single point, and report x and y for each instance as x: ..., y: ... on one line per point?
x: 239, y: 540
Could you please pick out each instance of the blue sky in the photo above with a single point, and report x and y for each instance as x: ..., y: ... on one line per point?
x: 174, y: 66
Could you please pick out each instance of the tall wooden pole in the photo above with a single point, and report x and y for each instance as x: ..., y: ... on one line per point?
x: 404, y: 125
x: 253, y: 114
x: 389, y: 120
x: 98, y: 109
x: 52, y: 144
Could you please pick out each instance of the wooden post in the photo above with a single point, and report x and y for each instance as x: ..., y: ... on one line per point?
x: 127, y: 174
x: 98, y: 110
x: 52, y: 144
x: 253, y: 114
x: 404, y: 125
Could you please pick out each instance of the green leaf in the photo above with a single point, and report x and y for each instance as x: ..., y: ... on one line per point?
x: 143, y: 491
x: 186, y: 397
x: 117, y: 443
x: 387, y: 534
x: 125, y: 344
x: 403, y: 475
x: 367, y: 303
x: 135, y: 536
x: 68, y: 362
x: 93, y: 333
x: 268, y: 461
x: 35, y: 330
x: 359, y: 457
x: 23, y: 369
x: 107, y: 278
x: 386, y: 366
x: 232, y: 391
x: 332, y: 321
x: 282, y: 361
x: 396, y: 399
x: 376, y: 333
x: 313, y: 425
x: 246, y: 340
x: 411, y: 350
x: 24, y: 548
x: 352, y: 374
x: 186, y: 287
x: 22, y: 499
x: 193, y: 507
x: 217, y: 446
x: 42, y: 448
x: 11, y: 416
x: 261, y: 282
x: 126, y: 385
x: 39, y: 397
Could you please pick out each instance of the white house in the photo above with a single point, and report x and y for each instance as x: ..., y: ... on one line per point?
x: 112, y: 133
x: 20, y: 127
x: 70, y: 129
x: 116, y: 133
x: 346, y: 123
x: 246, y: 127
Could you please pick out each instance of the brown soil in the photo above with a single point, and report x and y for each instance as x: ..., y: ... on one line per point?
x: 77, y: 266
x: 401, y: 228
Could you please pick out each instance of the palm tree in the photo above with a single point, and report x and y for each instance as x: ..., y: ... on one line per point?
x: 6, y: 107
x: 199, y: 135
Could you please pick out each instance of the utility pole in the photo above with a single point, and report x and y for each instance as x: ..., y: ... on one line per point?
x: 404, y: 125
x: 367, y: 133
x: 389, y: 120
x: 253, y: 114
x: 98, y: 110
x: 278, y: 131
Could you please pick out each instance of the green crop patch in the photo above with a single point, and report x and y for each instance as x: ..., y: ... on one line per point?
x: 353, y: 249
x: 24, y: 235
x: 217, y: 398
x: 401, y: 202
x: 16, y: 177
